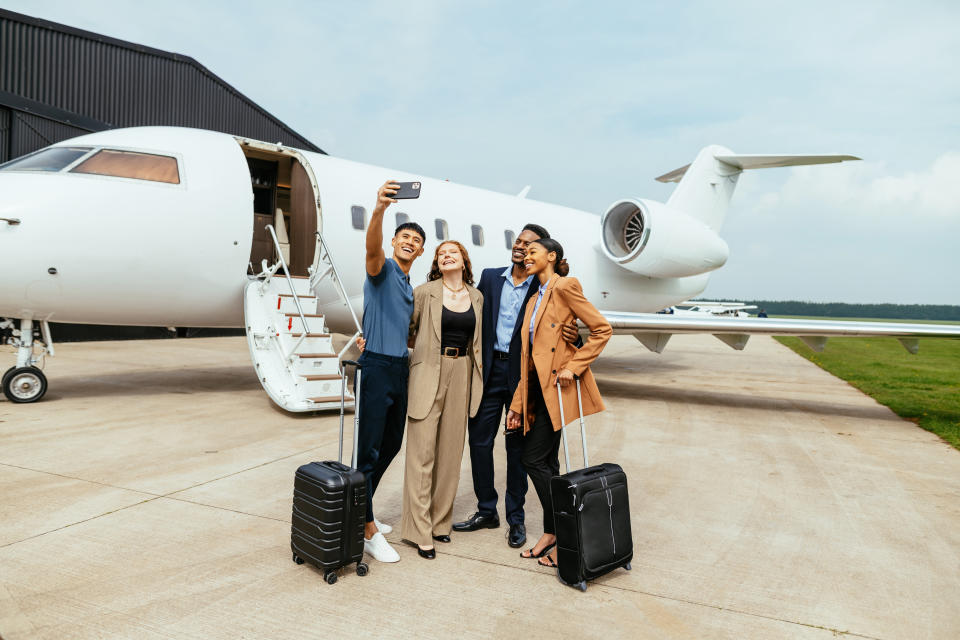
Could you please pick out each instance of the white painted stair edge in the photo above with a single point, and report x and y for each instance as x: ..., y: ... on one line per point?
x: 271, y: 333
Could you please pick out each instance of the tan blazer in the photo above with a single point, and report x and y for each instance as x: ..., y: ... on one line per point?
x: 563, y: 301
x: 425, y: 361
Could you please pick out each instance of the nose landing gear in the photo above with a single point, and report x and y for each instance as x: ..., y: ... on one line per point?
x: 25, y: 382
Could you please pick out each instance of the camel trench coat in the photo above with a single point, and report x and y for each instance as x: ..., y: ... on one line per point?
x: 563, y: 301
x: 425, y: 360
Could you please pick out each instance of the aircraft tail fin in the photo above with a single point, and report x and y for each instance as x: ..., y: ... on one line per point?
x: 706, y: 185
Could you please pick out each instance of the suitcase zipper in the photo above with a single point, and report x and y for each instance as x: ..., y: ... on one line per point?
x: 609, y: 492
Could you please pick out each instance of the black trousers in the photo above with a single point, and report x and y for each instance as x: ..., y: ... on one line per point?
x: 482, y: 430
x: 383, y: 415
x: 541, y: 448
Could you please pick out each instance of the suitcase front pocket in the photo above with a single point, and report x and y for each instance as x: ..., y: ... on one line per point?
x: 605, y: 535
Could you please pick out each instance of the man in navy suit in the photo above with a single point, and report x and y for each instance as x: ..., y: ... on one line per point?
x: 506, y: 291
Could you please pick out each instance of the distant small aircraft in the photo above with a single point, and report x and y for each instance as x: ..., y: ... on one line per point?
x: 162, y: 226
x: 705, y: 308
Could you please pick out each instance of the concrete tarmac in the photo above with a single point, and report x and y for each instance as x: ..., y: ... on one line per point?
x: 148, y: 496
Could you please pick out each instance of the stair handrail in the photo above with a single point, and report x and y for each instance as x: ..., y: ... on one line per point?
x: 296, y: 298
x: 338, y: 281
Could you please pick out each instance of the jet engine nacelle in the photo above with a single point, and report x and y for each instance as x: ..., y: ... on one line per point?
x: 654, y: 240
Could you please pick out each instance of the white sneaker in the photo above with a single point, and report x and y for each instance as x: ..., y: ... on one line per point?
x: 380, y: 549
x: 383, y: 528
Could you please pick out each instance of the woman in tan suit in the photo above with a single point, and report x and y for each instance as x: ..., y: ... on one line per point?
x: 445, y: 388
x: 547, y: 358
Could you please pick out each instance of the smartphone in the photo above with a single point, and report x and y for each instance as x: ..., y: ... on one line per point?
x: 407, y: 191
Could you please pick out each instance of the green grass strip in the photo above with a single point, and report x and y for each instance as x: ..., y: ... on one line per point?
x: 923, y: 388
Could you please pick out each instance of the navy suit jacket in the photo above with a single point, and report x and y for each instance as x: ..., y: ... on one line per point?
x: 491, y: 286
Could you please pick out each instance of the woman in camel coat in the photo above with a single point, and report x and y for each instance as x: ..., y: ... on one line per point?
x: 445, y: 387
x: 547, y: 358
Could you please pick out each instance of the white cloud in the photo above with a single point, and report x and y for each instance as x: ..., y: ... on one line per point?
x: 865, y: 190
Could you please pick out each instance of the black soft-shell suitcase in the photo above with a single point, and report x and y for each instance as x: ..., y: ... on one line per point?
x: 591, y: 514
x: 329, y: 507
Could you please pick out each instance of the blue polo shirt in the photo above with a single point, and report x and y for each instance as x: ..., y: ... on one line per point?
x: 387, y: 307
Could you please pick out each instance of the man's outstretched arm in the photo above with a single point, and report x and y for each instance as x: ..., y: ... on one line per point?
x: 375, y: 255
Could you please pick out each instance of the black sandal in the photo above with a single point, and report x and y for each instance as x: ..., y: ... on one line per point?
x: 542, y: 553
x: 549, y: 562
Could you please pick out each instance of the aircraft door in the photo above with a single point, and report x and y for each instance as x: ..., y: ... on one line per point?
x: 303, y: 220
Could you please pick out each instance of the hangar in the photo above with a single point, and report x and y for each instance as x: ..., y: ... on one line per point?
x: 58, y: 82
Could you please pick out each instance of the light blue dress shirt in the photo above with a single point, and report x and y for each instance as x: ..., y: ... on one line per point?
x: 536, y: 307
x: 511, y: 302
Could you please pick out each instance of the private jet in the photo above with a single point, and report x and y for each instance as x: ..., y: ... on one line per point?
x: 177, y: 227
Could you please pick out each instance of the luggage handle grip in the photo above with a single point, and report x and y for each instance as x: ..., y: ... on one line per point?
x: 563, y: 425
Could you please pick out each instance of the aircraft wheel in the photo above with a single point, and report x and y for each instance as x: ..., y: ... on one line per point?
x: 5, y: 374
x: 24, y: 384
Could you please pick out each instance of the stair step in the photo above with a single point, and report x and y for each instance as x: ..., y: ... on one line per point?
x: 324, y: 399
x: 290, y: 295
x: 315, y: 355
x: 325, y: 376
x: 310, y: 335
x: 306, y: 315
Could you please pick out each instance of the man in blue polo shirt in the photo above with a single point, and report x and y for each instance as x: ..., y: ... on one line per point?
x: 382, y: 402
x: 506, y: 291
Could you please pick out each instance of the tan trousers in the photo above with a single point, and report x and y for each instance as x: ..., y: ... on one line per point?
x: 434, y: 453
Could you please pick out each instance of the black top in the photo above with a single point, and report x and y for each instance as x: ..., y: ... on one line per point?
x: 456, y: 328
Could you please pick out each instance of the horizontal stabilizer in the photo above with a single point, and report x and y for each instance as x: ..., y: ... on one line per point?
x: 745, y: 162
x: 673, y: 176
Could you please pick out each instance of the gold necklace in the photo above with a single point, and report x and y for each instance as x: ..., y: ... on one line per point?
x: 452, y: 290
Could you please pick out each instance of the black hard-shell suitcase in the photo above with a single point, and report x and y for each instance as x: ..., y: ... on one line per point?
x: 591, y: 515
x: 329, y: 507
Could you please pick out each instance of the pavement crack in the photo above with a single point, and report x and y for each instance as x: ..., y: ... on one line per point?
x: 61, y: 475
x: 72, y: 524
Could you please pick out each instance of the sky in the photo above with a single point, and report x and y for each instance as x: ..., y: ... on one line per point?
x: 588, y: 101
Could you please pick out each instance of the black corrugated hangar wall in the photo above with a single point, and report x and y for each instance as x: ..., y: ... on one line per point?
x: 57, y: 82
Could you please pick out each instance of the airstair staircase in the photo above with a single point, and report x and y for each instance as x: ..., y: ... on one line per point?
x: 290, y: 344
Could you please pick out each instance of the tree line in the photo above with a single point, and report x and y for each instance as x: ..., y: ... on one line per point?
x: 848, y: 310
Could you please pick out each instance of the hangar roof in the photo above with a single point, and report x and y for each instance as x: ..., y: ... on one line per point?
x: 94, y: 82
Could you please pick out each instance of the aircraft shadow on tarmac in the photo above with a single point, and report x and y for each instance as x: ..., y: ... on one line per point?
x: 231, y: 379
x: 186, y: 381
x: 636, y: 390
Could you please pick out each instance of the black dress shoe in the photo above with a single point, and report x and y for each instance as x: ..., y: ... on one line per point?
x: 517, y: 536
x: 442, y: 538
x: 478, y: 521
x: 429, y: 554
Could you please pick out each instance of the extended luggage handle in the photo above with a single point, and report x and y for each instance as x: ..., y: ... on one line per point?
x: 563, y: 427
x: 356, y: 408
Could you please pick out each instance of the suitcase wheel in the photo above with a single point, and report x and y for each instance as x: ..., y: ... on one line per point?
x: 330, y: 577
x: 627, y: 566
x: 362, y: 569
x: 582, y: 585
x: 297, y: 559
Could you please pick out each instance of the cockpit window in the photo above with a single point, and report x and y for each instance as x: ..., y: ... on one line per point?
x: 130, y: 164
x: 49, y: 159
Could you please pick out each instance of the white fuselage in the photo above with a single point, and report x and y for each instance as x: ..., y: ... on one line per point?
x: 133, y: 252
